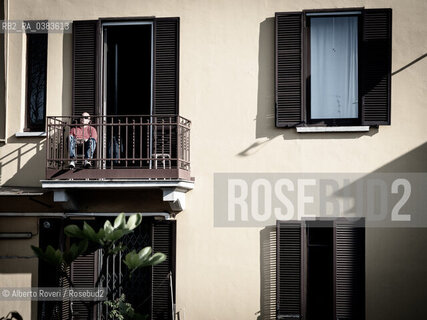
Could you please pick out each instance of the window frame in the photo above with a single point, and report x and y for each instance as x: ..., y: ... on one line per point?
x: 29, y: 126
x: 306, y: 67
x: 307, y: 70
x: 375, y: 65
x: 303, y: 227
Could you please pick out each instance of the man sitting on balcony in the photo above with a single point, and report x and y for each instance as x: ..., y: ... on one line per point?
x: 85, y: 135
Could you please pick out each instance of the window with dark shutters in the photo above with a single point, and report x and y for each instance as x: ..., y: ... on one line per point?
x: 376, y: 66
x: 290, y: 245
x: 349, y: 270
x: 288, y: 69
x: 296, y: 262
x: 163, y: 275
x: 166, y: 66
x: 292, y: 77
x: 84, y: 67
x: 83, y: 275
x: 36, y: 81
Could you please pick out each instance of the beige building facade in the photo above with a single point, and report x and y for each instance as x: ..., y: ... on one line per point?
x: 226, y: 72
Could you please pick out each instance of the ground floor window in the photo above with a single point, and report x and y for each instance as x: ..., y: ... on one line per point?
x: 151, y: 290
x: 321, y: 269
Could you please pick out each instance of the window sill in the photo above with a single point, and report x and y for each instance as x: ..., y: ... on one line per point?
x: 30, y: 134
x: 332, y: 129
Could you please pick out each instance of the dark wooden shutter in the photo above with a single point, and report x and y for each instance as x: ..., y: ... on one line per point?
x: 163, y: 237
x: 290, y: 270
x: 83, y: 275
x: 288, y: 69
x: 50, y: 233
x: 84, y: 66
x: 349, y: 271
x: 376, y: 66
x: 166, y: 64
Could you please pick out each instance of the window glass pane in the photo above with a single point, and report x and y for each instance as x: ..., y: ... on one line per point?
x: 36, y: 77
x: 333, y: 49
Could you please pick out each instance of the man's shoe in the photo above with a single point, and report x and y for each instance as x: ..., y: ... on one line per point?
x: 72, y: 165
x: 87, y: 164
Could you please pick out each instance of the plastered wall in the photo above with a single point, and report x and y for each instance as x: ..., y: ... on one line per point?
x: 18, y: 266
x: 227, y: 91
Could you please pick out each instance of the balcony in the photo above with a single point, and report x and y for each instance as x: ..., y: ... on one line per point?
x: 127, y: 147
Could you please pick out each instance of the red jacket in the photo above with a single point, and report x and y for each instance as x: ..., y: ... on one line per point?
x: 89, y: 132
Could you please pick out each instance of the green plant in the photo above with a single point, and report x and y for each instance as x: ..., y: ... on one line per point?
x: 122, y: 310
x: 106, y: 239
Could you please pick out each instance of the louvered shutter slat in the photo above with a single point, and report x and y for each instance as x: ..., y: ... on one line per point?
x: 84, y: 67
x: 376, y: 67
x: 288, y: 69
x: 83, y: 273
x: 289, y: 270
x: 163, y: 241
x: 349, y: 270
x: 166, y: 66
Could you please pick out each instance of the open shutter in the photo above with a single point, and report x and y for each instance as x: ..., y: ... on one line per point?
x: 290, y: 270
x: 163, y: 294
x: 288, y: 69
x: 83, y: 275
x: 349, y: 271
x: 84, y: 67
x: 166, y: 63
x: 376, y: 66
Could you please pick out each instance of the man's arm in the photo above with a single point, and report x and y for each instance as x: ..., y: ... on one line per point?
x: 93, y: 133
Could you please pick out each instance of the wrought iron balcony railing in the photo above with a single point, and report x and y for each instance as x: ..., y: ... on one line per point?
x: 126, y: 147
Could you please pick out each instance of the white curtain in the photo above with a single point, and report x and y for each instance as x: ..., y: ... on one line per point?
x: 334, y: 67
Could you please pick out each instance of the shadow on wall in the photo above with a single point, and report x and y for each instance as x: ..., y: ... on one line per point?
x: 13, y: 315
x: 265, y: 119
x: 393, y: 252
x: 390, y: 253
x: 268, y: 273
x: 33, y: 168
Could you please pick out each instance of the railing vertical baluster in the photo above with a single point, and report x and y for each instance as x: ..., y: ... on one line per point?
x: 163, y: 143
x: 127, y: 138
x: 119, y: 128
x: 112, y: 146
x: 62, y: 152
x: 155, y: 142
x: 133, y: 141
x: 140, y: 142
x: 170, y: 142
x: 148, y: 144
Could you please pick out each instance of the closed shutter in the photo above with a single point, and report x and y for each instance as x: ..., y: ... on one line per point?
x: 166, y: 65
x: 84, y: 67
x: 290, y: 270
x: 83, y: 275
x: 50, y: 233
x: 349, y: 273
x: 288, y: 69
x: 65, y: 307
x: 376, y: 66
x: 163, y: 237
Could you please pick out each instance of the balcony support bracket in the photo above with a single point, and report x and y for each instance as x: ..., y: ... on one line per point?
x: 175, y: 197
x: 65, y: 198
